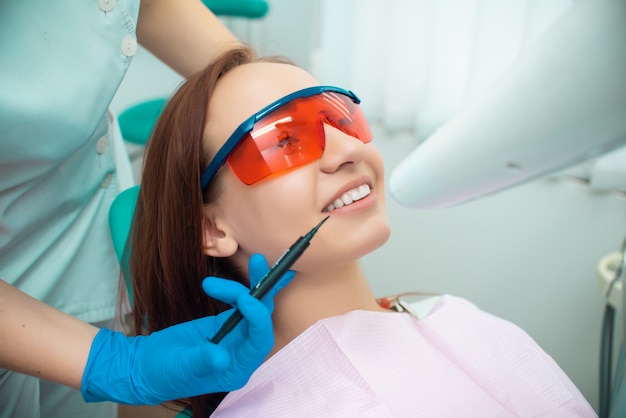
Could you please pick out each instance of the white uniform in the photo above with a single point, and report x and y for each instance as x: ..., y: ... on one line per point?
x: 61, y: 63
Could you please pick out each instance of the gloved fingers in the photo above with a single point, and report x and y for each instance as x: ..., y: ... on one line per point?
x: 188, y: 371
x: 223, y: 289
x: 181, y: 366
x: 257, y: 268
x: 255, y: 313
x: 206, y: 359
x: 284, y: 281
x: 258, y: 331
x: 268, y: 299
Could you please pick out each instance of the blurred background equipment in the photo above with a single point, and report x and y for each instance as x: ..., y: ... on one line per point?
x: 562, y: 103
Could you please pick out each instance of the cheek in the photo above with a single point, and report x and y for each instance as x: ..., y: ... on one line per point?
x: 232, y: 195
x: 288, y: 204
x: 268, y: 217
x: 375, y: 160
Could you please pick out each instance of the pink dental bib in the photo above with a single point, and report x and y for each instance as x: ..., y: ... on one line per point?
x: 457, y: 361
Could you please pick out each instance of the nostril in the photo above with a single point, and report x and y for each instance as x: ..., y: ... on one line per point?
x: 345, y: 164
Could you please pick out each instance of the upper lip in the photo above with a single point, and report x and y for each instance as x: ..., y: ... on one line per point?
x: 349, y: 186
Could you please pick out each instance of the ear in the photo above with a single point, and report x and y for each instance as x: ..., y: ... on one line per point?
x: 217, y: 240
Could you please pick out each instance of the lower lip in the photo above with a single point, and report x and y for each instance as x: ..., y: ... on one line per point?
x: 358, y: 206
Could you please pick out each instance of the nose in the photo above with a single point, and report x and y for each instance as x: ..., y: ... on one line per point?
x: 342, y: 150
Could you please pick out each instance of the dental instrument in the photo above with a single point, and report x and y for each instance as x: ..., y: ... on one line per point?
x: 270, y: 279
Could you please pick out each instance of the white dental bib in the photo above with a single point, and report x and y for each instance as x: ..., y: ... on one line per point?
x: 457, y: 361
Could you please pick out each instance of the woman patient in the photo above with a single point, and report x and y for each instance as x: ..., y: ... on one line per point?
x: 251, y: 154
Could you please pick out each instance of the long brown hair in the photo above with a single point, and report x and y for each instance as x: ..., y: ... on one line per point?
x: 167, y: 263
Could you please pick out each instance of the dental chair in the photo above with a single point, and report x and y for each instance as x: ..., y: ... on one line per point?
x: 120, y: 219
x: 250, y: 9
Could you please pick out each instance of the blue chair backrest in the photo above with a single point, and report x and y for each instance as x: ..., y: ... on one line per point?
x: 120, y: 219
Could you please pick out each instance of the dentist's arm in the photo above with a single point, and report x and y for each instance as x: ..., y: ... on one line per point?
x: 180, y: 361
x: 41, y: 341
x: 184, y: 34
x: 176, y: 362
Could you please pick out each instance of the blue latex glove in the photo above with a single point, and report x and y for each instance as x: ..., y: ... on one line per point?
x: 179, y: 361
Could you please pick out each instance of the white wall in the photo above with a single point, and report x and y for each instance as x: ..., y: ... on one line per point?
x: 528, y: 254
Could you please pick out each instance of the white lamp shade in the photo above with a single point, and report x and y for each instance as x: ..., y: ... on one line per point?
x: 562, y: 102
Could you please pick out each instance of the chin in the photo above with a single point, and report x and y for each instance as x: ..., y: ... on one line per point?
x: 377, y: 234
x: 384, y: 232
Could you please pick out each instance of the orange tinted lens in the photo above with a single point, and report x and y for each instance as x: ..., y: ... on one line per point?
x: 293, y: 135
x: 342, y: 113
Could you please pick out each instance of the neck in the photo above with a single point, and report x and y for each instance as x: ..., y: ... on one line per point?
x: 313, y: 296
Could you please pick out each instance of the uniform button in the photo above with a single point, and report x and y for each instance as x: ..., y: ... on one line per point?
x: 106, y: 181
x: 106, y: 5
x: 129, y: 46
x: 102, y: 145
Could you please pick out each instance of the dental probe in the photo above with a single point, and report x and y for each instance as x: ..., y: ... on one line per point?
x: 282, y: 265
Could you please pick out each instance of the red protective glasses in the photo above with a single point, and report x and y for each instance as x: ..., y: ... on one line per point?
x: 288, y: 133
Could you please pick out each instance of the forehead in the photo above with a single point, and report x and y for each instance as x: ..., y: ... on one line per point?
x: 247, y: 89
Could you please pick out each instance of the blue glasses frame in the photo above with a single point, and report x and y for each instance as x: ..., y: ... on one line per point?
x: 242, y: 130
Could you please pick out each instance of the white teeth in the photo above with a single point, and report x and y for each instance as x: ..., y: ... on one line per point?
x: 349, y: 197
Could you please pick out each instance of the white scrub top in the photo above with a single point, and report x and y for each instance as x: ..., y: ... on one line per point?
x: 61, y: 62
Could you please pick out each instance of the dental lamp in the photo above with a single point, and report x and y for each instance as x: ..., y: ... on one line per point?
x: 561, y: 103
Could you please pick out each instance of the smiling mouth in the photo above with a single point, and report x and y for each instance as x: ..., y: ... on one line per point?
x: 349, y: 197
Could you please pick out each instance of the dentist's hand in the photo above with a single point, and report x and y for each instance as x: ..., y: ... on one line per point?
x: 179, y: 361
